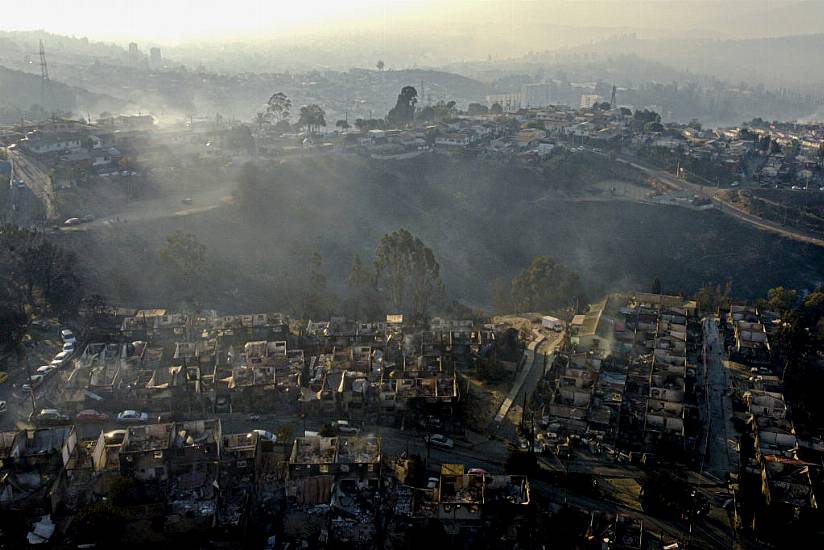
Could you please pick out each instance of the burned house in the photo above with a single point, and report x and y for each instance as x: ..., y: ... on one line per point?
x: 317, y: 464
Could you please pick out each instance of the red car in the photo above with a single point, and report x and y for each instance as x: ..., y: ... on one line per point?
x: 91, y: 415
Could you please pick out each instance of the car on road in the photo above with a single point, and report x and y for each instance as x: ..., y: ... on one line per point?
x: 132, y: 416
x: 72, y: 221
x: 67, y: 336
x: 91, y: 415
x: 50, y: 417
x: 439, y: 440
x: 268, y: 436
x: 114, y: 437
x: 345, y: 428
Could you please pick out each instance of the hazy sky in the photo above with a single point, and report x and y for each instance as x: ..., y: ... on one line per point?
x: 170, y: 21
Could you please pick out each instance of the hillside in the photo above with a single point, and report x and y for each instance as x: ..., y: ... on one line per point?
x: 483, y: 221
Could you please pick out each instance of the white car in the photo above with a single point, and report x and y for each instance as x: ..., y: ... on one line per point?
x: 438, y: 440
x: 68, y: 346
x: 345, y: 428
x: 46, y: 370
x: 133, y: 416
x: 67, y: 336
x: 3, y: 407
x: 268, y: 436
x: 72, y: 221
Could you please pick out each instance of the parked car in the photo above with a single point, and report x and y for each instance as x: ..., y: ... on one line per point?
x: 67, y: 336
x: 268, y: 436
x: 345, y: 428
x: 114, y: 437
x: 46, y: 370
x: 72, y: 221
x: 50, y: 417
x: 133, y: 416
x: 3, y: 407
x: 438, y: 440
x: 91, y: 415
x: 33, y: 383
x: 61, y: 358
x: 68, y: 346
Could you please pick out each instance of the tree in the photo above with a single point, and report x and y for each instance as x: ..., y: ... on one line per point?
x: 536, y: 124
x: 185, y: 254
x: 782, y: 300
x: 404, y: 110
x: 409, y: 271
x: 496, y: 109
x: 314, y: 293
x: 694, y: 124
x: 312, y: 117
x: 279, y: 106
x: 260, y: 119
x: 710, y: 297
x: 477, y: 109
x: 380, y: 65
x: 545, y: 285
x: 364, y: 301
x: 342, y: 124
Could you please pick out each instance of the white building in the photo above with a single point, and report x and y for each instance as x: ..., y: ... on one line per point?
x: 535, y: 95
x: 588, y: 100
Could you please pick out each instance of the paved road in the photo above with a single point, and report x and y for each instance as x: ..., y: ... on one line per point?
x: 161, y: 208
x: 711, y: 194
x: 36, y: 178
x: 722, y: 453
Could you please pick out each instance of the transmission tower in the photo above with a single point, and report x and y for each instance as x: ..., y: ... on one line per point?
x: 45, y: 83
x: 612, y: 98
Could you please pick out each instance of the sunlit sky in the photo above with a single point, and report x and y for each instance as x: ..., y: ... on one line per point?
x: 175, y: 21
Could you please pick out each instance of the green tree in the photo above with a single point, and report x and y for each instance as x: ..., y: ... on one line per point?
x: 477, y: 109
x: 364, y: 300
x: 710, y: 297
x: 496, y: 109
x: 315, y: 293
x: 409, y: 272
x: 404, y: 110
x: 781, y: 299
x: 342, y: 124
x: 312, y: 117
x: 545, y: 285
x: 279, y: 107
x: 380, y: 65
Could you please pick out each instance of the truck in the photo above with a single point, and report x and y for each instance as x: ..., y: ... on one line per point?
x: 552, y: 323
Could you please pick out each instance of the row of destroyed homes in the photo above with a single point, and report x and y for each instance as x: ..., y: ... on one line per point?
x: 169, y: 479
x: 626, y: 378
x: 185, y: 365
x: 779, y: 470
x: 190, y: 482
